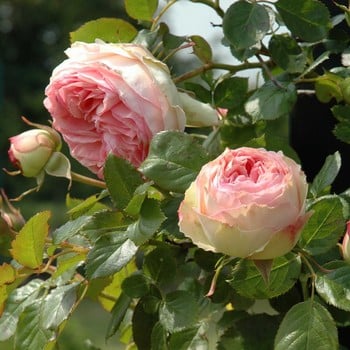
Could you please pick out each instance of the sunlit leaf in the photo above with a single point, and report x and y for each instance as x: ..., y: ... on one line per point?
x: 141, y: 9
x: 112, y: 30
x: 30, y: 333
x: 28, y: 246
x: 18, y: 300
x: 307, y: 325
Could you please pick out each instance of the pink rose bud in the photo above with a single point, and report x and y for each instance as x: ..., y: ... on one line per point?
x: 345, y: 245
x: 247, y: 203
x: 10, y: 216
x: 112, y: 98
x: 32, y: 149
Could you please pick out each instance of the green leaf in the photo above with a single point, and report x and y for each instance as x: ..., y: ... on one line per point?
x: 183, y: 340
x: 142, y: 325
x: 114, y: 30
x: 18, y: 300
x: 239, y: 336
x: 136, y: 285
x: 271, y: 101
x: 178, y: 311
x: 342, y: 129
x: 308, y: 326
x: 58, y: 305
x: 122, y: 179
x: 231, y: 92
x: 159, y: 337
x: 141, y: 9
x: 28, y: 246
x: 160, y: 265
x: 334, y: 287
x: 327, y: 174
x: 286, y: 52
x: 245, y: 24
x: 307, y: 19
x: 151, y: 217
x: 201, y: 48
x: 110, y: 254
x: 174, y: 160
x: 248, y: 282
x: 327, y: 87
x: 68, y: 262
x: 118, y: 312
x: 70, y: 229
x: 325, y: 227
x: 30, y: 332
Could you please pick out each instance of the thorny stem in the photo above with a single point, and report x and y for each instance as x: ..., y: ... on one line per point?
x: 87, y: 180
x: 211, y: 65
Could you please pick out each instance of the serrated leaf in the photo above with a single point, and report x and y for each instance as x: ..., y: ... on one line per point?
x: 307, y: 19
x: 183, y: 340
x: 334, y: 287
x: 110, y: 254
x: 174, y: 160
x: 30, y: 333
x: 327, y: 174
x: 141, y: 9
x: 325, y: 227
x: 308, y: 326
x: 58, y: 305
x: 70, y: 229
x: 151, y: 217
x: 248, y: 281
x: 178, y: 311
x: 271, y: 101
x: 112, y: 30
x: 122, y: 179
x: 118, y: 312
x: 28, y: 246
x: 17, y: 301
x: 245, y: 24
x: 231, y: 92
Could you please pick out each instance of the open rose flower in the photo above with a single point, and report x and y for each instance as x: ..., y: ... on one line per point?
x: 111, y: 98
x: 247, y: 203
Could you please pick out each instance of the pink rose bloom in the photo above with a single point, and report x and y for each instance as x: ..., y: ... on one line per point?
x: 247, y: 203
x: 111, y: 98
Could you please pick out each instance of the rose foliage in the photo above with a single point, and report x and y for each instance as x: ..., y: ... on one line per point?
x: 203, y: 232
